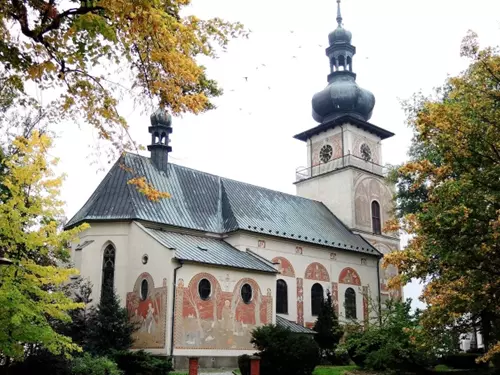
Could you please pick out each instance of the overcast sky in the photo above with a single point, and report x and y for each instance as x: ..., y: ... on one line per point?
x: 403, y: 46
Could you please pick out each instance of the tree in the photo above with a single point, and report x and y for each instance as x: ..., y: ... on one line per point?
x: 451, y: 205
x: 75, y: 48
x: 109, y: 328
x: 328, y: 328
x: 31, y: 289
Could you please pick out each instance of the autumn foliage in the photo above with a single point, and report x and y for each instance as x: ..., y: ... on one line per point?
x: 31, y: 288
x: 449, y: 200
x: 84, y: 50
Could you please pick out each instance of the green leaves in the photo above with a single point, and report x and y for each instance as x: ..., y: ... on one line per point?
x: 450, y: 193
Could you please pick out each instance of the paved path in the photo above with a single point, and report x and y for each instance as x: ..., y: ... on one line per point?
x: 227, y: 372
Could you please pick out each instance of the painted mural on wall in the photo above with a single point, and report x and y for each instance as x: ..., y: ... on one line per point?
x: 300, y: 301
x: 147, y: 306
x: 366, y: 311
x: 335, y: 297
x: 349, y: 276
x: 285, y: 268
x: 386, y: 273
x: 368, y: 189
x: 335, y: 141
x: 316, y: 271
x: 223, y: 320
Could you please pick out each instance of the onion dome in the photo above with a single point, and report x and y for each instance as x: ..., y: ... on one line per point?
x: 161, y: 117
x: 342, y: 96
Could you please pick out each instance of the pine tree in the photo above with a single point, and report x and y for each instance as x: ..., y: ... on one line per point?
x: 328, y: 329
x: 109, y: 327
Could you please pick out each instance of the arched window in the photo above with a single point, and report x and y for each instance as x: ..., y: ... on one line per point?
x: 317, y: 296
x: 350, y: 304
x: 376, y: 222
x: 108, y: 269
x: 281, y: 297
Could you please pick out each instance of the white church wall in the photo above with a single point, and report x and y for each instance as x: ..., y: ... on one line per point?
x: 222, y: 324
x: 355, y: 137
x: 297, y: 259
x: 335, y: 190
x: 103, y: 234
x: 157, y: 306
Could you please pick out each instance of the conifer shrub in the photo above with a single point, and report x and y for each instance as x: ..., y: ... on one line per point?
x: 143, y: 363
x: 282, y: 352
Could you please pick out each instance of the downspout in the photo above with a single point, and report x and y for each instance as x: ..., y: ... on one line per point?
x: 379, y: 297
x: 310, y: 157
x: 343, y: 153
x: 173, y: 310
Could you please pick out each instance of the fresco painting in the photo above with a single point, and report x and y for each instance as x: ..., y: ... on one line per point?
x: 349, y: 276
x: 149, y: 312
x: 300, y: 301
x: 285, y: 268
x: 335, y: 297
x: 366, y: 312
x: 222, y: 321
x: 316, y: 271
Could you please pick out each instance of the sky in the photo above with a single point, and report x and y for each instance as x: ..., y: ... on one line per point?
x: 403, y: 46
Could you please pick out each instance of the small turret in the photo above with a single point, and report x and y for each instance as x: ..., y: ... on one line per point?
x: 160, y: 130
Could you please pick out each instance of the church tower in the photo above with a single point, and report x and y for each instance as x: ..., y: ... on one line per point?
x: 344, y: 160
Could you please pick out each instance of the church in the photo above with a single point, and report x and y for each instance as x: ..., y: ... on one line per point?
x: 200, y: 270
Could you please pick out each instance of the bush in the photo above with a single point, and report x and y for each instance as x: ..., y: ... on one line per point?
x: 244, y: 364
x: 41, y: 363
x: 89, y: 365
x: 282, y: 352
x: 328, y: 332
x: 143, y: 363
x: 398, y: 343
x: 463, y: 361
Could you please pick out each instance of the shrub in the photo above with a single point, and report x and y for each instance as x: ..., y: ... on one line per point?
x: 463, y: 361
x: 283, y: 352
x: 143, y: 363
x: 244, y: 364
x: 41, y: 363
x: 398, y: 343
x: 89, y: 365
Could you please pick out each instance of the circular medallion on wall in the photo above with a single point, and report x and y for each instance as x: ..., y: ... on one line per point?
x: 325, y: 154
x: 366, y: 152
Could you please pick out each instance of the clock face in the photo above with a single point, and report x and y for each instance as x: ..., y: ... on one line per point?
x: 366, y: 153
x: 325, y: 154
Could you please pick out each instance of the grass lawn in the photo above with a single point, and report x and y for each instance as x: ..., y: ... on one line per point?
x: 177, y: 373
x: 335, y: 370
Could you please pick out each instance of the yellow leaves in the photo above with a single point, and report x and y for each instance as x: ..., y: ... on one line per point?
x: 147, y: 189
x: 30, y: 289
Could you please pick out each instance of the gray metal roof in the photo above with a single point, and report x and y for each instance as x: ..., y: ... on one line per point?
x: 209, y: 251
x: 292, y: 326
x: 209, y: 203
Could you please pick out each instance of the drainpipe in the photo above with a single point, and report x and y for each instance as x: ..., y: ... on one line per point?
x: 173, y: 310
x: 310, y: 157
x: 379, y: 297
x: 343, y: 153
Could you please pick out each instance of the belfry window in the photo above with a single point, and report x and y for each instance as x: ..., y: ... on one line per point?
x: 317, y: 296
x: 376, y: 222
x: 350, y: 303
x: 281, y: 297
x: 108, y: 269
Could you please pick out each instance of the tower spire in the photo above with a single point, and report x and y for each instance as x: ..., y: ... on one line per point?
x: 339, y: 15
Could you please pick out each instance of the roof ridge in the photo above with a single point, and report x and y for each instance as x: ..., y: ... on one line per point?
x: 229, y: 179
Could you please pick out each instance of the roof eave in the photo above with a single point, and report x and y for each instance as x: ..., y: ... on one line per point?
x: 365, y: 125
x: 224, y: 266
